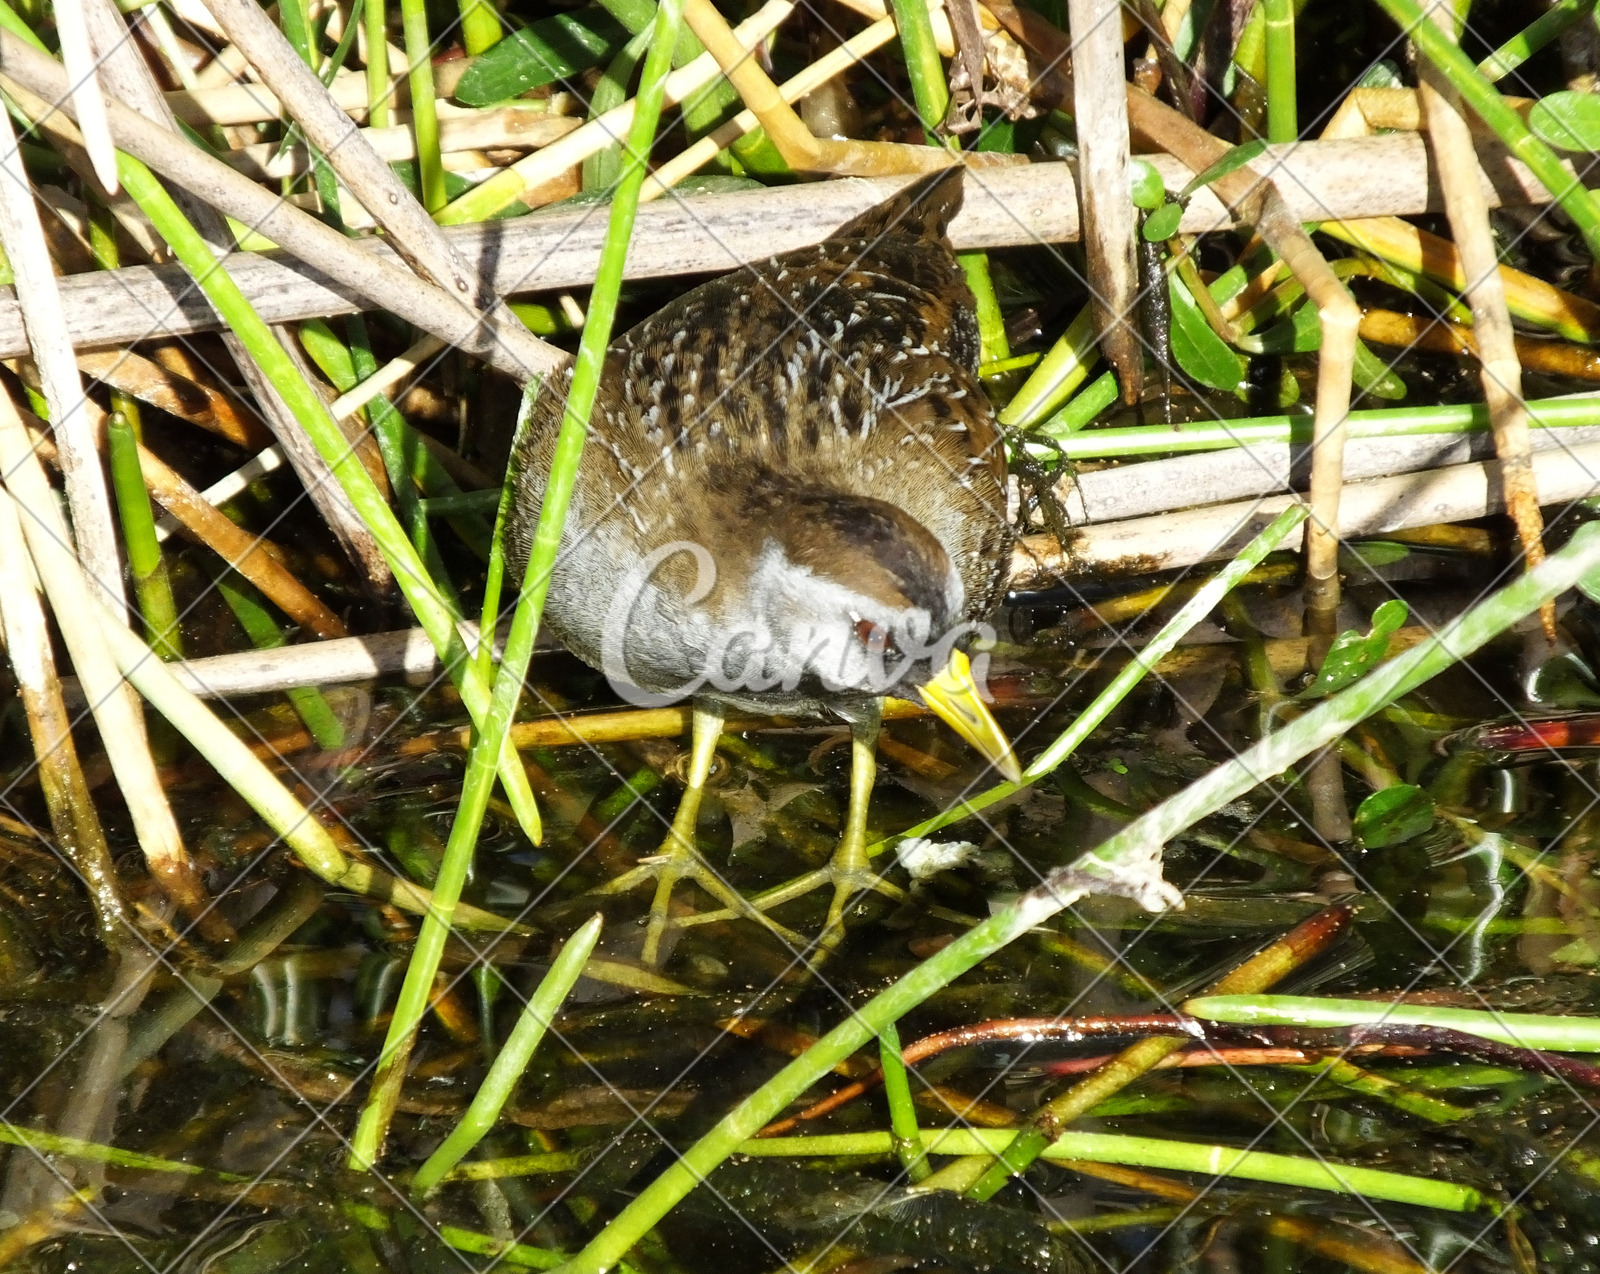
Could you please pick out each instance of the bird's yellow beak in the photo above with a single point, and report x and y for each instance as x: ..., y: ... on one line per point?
x: 953, y: 696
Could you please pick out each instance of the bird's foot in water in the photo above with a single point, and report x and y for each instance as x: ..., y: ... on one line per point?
x: 849, y: 878
x: 679, y: 860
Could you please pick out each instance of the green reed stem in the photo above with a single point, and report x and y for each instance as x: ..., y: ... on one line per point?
x: 991, y: 322
x: 432, y: 610
x: 1283, y: 110
x: 1521, y: 1030
x: 1337, y: 1070
x: 49, y: 1143
x: 929, y: 89
x: 346, y: 366
x: 903, y: 1128
x: 1082, y: 408
x: 1152, y: 1152
x: 424, y: 113
x: 1057, y: 376
x: 151, y: 584
x: 1440, y: 49
x: 1115, y: 858
x: 308, y: 702
x: 478, y: 782
x: 1387, y: 422
x: 501, y: 1081
x: 380, y: 94
x: 480, y: 26
x: 494, y: 578
x: 1522, y: 46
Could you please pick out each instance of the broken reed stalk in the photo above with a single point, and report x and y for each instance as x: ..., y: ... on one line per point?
x: 1500, y: 371
x: 1110, y: 228
x: 78, y: 833
x: 212, y: 409
x: 249, y: 554
x: 116, y: 710
x: 371, y: 1131
x: 1127, y: 863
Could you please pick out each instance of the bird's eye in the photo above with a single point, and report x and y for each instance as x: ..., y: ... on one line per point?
x: 875, y: 637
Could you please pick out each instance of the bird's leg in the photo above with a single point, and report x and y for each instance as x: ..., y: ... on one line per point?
x: 850, y: 870
x: 678, y: 858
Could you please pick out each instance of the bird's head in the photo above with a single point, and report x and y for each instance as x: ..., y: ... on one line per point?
x: 859, y: 599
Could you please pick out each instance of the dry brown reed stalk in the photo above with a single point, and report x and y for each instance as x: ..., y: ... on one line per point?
x: 78, y: 832
x: 1109, y: 224
x: 1019, y: 206
x: 212, y: 409
x: 1367, y: 509
x: 132, y: 85
x: 116, y: 712
x: 254, y: 557
x: 1500, y: 370
x: 507, y: 127
x: 1139, y: 489
x: 1438, y: 336
x: 250, y: 555
x: 1416, y: 249
x: 87, y: 492
x: 414, y: 234
x: 793, y: 140
x: 249, y: 104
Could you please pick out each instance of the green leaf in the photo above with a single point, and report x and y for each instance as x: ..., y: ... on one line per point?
x: 1567, y: 121
x: 1373, y: 376
x: 1201, y: 354
x: 1353, y: 654
x: 1162, y: 224
x: 542, y: 52
x: 1371, y: 554
x: 1234, y: 160
x: 1300, y: 333
x: 1395, y: 814
x: 1145, y: 186
x: 1564, y: 681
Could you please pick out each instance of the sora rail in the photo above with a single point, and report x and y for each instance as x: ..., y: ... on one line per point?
x: 792, y: 500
